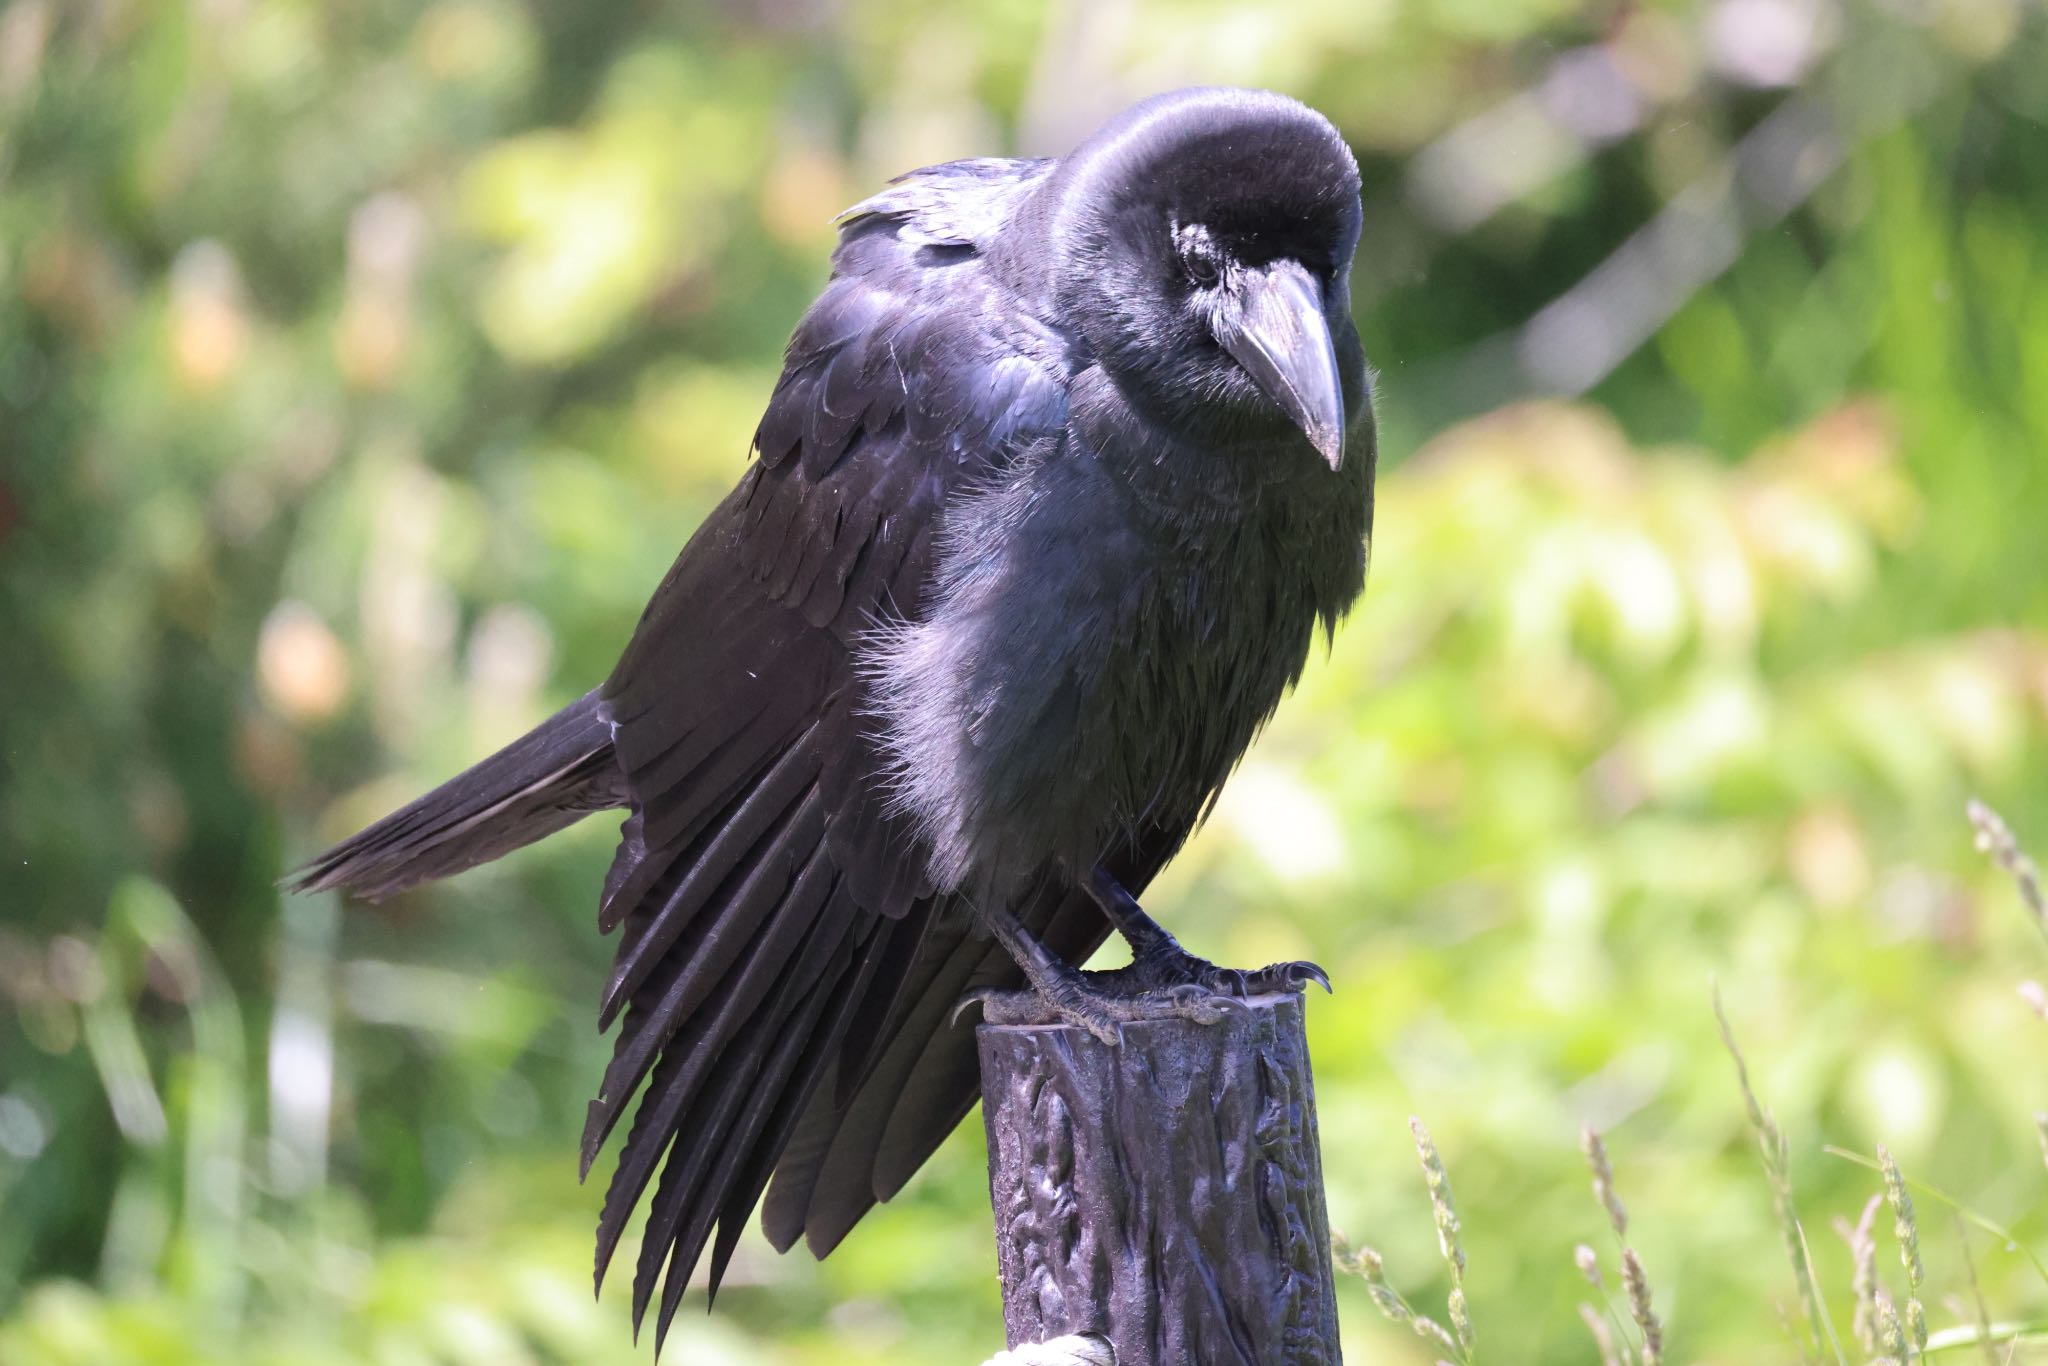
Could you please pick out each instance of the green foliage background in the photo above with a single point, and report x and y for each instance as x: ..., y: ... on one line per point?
x: 362, y: 366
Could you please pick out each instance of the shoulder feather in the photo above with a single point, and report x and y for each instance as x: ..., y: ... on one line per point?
x: 954, y: 204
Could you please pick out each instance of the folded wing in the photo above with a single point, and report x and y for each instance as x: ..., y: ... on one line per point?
x: 784, y: 968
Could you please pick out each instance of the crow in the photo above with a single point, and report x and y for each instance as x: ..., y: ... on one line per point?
x: 1067, y: 467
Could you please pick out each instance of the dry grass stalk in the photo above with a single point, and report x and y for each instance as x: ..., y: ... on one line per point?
x: 1862, y: 1241
x: 1603, y: 1338
x: 1447, y: 1230
x: 1977, y: 1296
x: 1818, y: 1335
x: 1635, y: 1282
x: 1639, y: 1308
x: 1615, y: 1342
x: 1367, y: 1266
x: 1907, y: 1230
x: 1603, y: 1181
x: 1995, y: 837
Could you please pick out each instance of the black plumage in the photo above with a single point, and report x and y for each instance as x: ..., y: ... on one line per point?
x: 1067, y: 466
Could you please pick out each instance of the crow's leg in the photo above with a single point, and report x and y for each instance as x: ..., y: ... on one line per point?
x: 1058, y: 988
x: 1163, y: 979
x: 1160, y: 965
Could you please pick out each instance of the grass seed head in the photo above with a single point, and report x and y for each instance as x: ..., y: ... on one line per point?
x: 1637, y: 1284
x: 1603, y: 1181
x: 1890, y: 1335
x: 1862, y: 1241
x: 1603, y: 1336
x: 1995, y: 837
x: 1906, y: 1228
x: 1367, y: 1265
x: 1440, y: 1201
x: 1461, y: 1322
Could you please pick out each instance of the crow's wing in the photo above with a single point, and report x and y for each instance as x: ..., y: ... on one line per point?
x: 903, y: 1087
x: 767, y: 897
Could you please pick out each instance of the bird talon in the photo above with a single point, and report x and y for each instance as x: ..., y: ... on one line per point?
x: 1294, y: 977
x: 1193, y: 1001
x: 1227, y: 983
x: 979, y: 996
x: 1097, y: 1022
x: 1310, y: 972
x: 1275, y: 979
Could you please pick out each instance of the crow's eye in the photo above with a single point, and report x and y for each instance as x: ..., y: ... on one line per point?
x: 1198, y: 255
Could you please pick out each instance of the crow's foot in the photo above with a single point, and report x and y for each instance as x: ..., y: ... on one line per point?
x: 1165, y: 967
x: 1163, y: 980
x: 1160, y: 964
x: 1176, y: 969
x: 1165, y: 984
x: 1103, y: 1014
x: 1081, y: 1007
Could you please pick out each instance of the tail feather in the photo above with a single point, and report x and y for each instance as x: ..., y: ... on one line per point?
x: 548, y: 779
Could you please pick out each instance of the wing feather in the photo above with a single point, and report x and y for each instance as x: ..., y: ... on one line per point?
x: 845, y: 1155
x: 809, y: 1060
x: 789, y: 781
x: 742, y: 926
x: 700, y: 1157
x: 694, y: 1049
x: 768, y: 895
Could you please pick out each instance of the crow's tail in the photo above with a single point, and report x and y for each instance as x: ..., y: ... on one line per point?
x: 549, y: 778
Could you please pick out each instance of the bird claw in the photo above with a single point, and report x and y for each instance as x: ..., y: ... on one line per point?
x: 1089, y: 1015
x: 1175, y: 968
x: 1286, y: 978
x: 1193, y: 1001
x: 979, y: 996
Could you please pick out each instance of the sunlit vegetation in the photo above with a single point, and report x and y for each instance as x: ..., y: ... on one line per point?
x: 362, y: 366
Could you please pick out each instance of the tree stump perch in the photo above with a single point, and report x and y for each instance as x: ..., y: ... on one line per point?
x: 1166, y: 1195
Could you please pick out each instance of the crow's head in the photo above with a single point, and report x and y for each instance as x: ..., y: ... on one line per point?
x: 1202, y: 245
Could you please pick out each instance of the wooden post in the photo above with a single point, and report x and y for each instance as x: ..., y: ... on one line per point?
x: 1166, y: 1195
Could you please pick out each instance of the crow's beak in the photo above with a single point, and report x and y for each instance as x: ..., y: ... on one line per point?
x: 1274, y: 327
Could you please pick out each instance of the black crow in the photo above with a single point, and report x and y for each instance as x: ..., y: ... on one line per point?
x: 1066, y: 468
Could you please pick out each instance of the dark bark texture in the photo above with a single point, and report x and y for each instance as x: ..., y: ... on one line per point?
x: 1168, y: 1194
